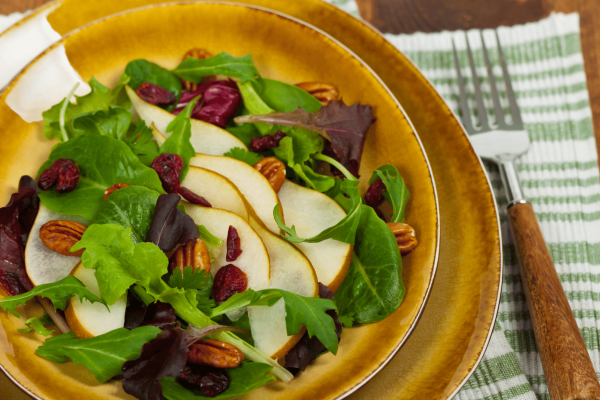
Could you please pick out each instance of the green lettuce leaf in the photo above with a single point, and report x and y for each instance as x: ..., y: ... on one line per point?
x: 396, y: 192
x: 193, y: 70
x: 141, y: 142
x: 57, y: 292
x: 38, y: 324
x: 285, y: 97
x: 244, y: 132
x: 343, y: 231
x: 244, y: 379
x: 249, y: 157
x: 209, y: 239
x: 103, y: 161
x: 113, y: 122
x: 119, y: 95
x: 131, y: 206
x: 103, y: 355
x: 373, y: 287
x: 141, y: 71
x: 179, y: 140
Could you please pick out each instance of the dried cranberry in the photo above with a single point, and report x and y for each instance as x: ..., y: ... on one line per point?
x: 233, y: 244
x: 374, y: 195
x: 168, y: 167
x: 266, y: 142
x: 47, y: 178
x: 214, y: 383
x: 228, y: 281
x: 155, y: 94
x: 193, y: 197
x: 68, y: 177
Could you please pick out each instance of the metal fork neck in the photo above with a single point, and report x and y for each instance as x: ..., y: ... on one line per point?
x: 508, y: 174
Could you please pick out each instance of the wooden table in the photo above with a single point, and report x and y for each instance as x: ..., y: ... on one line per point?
x: 407, y: 16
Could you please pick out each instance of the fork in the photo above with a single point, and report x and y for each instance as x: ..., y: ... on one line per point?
x: 567, y: 366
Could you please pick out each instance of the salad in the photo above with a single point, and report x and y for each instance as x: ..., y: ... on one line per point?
x: 199, y: 232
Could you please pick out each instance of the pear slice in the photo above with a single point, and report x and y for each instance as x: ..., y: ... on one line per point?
x: 254, y: 260
x: 311, y: 212
x: 219, y: 191
x: 291, y: 271
x: 252, y: 184
x: 206, y: 138
x: 42, y: 264
x: 93, y: 319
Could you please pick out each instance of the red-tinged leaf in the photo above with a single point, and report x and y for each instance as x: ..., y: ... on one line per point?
x: 170, y: 226
x: 344, y: 126
x: 15, y: 222
x: 164, y: 356
x: 160, y: 315
x: 307, y: 349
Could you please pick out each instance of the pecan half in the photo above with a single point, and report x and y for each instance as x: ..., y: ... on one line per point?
x: 61, y: 235
x: 114, y: 188
x: 214, y: 353
x: 273, y: 170
x: 199, y: 54
x: 405, y: 236
x: 194, y: 253
x: 324, y: 92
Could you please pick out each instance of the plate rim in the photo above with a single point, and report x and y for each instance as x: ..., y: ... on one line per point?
x: 419, y: 313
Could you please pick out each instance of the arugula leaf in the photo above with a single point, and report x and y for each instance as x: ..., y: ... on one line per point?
x: 131, y: 206
x: 103, y: 355
x: 255, y: 105
x: 189, y: 279
x: 299, y: 310
x: 179, y: 140
x: 141, y: 71
x: 373, y: 287
x: 396, y: 192
x: 343, y: 231
x: 244, y: 379
x: 249, y: 157
x: 38, y: 324
x: 99, y: 98
x: 344, y: 126
x: 285, y: 97
x: 103, y: 161
x: 193, y: 70
x: 57, y: 292
x: 141, y: 142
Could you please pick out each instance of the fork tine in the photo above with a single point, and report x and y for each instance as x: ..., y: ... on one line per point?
x: 483, y: 120
x: 464, y: 105
x: 496, y: 99
x: 512, y: 99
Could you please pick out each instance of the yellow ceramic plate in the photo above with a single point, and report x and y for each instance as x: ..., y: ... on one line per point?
x: 283, y: 49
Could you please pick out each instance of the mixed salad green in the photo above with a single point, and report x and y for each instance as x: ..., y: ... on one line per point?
x: 133, y: 232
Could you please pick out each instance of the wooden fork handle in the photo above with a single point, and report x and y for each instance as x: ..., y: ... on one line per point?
x: 567, y: 366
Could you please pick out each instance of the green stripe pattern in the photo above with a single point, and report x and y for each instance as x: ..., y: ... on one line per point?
x: 559, y: 176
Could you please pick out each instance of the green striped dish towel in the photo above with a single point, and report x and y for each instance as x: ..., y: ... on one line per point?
x: 559, y: 176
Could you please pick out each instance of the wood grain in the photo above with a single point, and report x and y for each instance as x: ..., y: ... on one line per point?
x: 567, y: 366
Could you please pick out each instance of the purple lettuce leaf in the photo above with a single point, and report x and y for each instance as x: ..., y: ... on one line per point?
x: 344, y: 126
x: 15, y: 223
x: 160, y: 315
x: 307, y: 349
x: 170, y: 226
x: 164, y: 356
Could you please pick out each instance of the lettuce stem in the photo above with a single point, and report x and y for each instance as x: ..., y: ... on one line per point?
x: 63, y: 111
x: 336, y: 164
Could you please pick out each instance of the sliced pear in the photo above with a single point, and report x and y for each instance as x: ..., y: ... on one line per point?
x: 218, y: 190
x: 206, y: 138
x: 311, y: 212
x: 42, y: 264
x: 291, y: 271
x: 252, y: 184
x: 254, y: 260
x: 93, y: 319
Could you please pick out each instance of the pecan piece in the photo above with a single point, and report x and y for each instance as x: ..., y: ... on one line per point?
x: 214, y: 353
x: 199, y: 54
x: 324, y: 92
x: 61, y: 235
x: 194, y: 253
x: 405, y: 236
x: 273, y: 170
x: 114, y: 188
